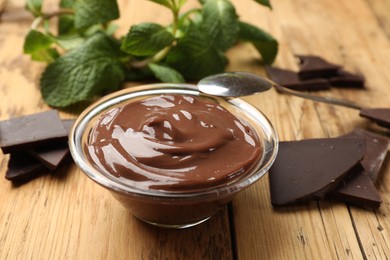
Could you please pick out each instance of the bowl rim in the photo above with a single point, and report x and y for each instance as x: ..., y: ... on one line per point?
x: 270, y: 147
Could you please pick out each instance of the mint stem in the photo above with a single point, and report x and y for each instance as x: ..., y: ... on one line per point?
x: 46, y: 16
x: 164, y: 52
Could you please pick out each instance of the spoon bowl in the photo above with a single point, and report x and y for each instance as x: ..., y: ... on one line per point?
x: 234, y: 84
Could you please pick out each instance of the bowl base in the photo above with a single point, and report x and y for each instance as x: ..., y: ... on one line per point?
x: 174, y: 226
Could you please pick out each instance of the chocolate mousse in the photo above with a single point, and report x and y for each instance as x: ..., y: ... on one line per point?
x: 173, y: 143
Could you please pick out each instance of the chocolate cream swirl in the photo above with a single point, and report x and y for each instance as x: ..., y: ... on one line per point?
x: 173, y: 143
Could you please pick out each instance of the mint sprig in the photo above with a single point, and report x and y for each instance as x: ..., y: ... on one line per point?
x: 94, y: 62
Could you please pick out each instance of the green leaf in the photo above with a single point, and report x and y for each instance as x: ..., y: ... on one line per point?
x: 265, y: 3
x: 220, y: 23
x: 38, y: 46
x: 35, y: 40
x: 70, y: 40
x: 166, y: 3
x: 193, y: 57
x: 265, y: 44
x: 165, y: 73
x: 146, y: 39
x: 90, y: 12
x: 34, y: 6
x: 83, y: 72
x: 45, y: 55
x: 67, y: 3
x: 66, y: 22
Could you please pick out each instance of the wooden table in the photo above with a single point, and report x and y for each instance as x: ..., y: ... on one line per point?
x: 67, y: 216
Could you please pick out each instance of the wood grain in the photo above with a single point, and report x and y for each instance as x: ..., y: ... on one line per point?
x: 67, y: 216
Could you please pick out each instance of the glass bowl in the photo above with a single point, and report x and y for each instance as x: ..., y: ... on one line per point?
x: 165, y: 208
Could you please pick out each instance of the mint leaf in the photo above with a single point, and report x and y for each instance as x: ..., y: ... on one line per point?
x: 34, y: 6
x: 66, y: 22
x: 193, y: 56
x: 38, y: 46
x: 146, y: 39
x: 70, y: 40
x: 264, y: 2
x: 220, y: 23
x: 90, y: 12
x: 166, y: 74
x: 166, y: 3
x: 35, y: 40
x: 83, y: 72
x: 265, y: 44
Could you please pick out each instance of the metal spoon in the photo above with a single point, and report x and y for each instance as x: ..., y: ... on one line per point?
x: 237, y: 84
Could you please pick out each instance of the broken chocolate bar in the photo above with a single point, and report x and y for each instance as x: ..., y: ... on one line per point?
x: 310, y: 168
x: 375, y: 151
x: 379, y: 115
x: 290, y: 79
x: 346, y: 79
x: 32, y: 130
x: 316, y: 67
x: 22, y: 167
x: 358, y: 189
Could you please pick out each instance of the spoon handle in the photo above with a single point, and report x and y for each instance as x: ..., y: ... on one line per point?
x: 329, y: 100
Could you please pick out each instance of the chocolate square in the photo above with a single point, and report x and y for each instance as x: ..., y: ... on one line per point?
x: 358, y: 189
x: 345, y: 79
x: 22, y: 167
x: 28, y: 131
x: 312, y: 66
x: 375, y: 151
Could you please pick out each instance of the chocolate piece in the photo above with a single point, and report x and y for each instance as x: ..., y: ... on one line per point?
x: 346, y: 79
x: 52, y: 155
x: 310, y: 168
x: 375, y: 151
x: 358, y: 189
x: 28, y: 131
x: 22, y: 167
x: 379, y: 115
x: 290, y: 79
x: 316, y: 67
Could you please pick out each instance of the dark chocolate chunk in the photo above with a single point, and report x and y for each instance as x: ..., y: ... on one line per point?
x: 379, y: 115
x: 358, y: 189
x: 375, y: 151
x: 52, y: 155
x: 346, y: 79
x: 290, y: 79
x: 311, y: 168
x: 22, y: 167
x: 316, y: 67
x: 28, y: 131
